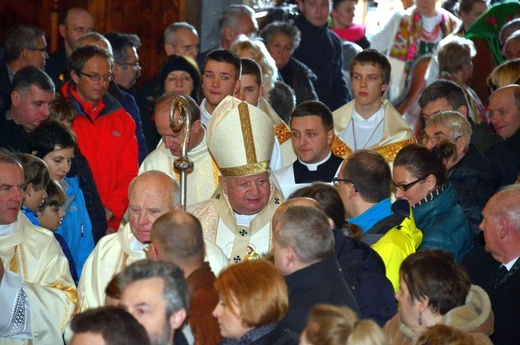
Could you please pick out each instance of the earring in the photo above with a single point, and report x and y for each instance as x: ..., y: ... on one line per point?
x: 420, y: 319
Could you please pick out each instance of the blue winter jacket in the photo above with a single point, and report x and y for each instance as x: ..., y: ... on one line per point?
x: 76, y: 227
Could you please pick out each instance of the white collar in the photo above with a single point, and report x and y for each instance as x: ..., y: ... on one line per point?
x: 7, y: 229
x: 510, y: 264
x: 205, y: 116
x: 314, y: 166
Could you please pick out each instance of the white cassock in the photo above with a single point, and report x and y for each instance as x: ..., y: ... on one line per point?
x: 112, y: 254
x: 37, y: 295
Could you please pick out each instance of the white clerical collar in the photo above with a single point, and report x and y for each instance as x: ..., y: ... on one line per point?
x: 244, y: 219
x: 137, y: 246
x: 372, y: 120
x: 510, y: 264
x: 314, y: 166
x: 7, y: 229
x: 204, y: 114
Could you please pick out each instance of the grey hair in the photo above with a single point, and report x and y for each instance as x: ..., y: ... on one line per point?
x: 284, y: 28
x: 457, y: 125
x: 171, y: 31
x: 306, y: 230
x: 508, y: 199
x: 19, y: 38
x: 231, y: 15
x: 175, y: 290
x: 29, y: 76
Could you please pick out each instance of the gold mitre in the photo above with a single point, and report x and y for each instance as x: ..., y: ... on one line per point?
x: 240, y: 138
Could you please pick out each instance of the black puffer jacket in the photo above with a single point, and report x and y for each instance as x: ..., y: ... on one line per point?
x: 364, y: 272
x: 475, y: 179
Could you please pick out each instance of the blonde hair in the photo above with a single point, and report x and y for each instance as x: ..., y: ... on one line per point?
x: 504, y: 74
x: 333, y: 325
x: 258, y: 52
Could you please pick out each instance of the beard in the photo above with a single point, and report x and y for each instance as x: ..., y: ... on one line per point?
x: 164, y: 337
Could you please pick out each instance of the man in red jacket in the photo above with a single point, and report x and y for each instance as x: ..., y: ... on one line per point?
x: 105, y: 131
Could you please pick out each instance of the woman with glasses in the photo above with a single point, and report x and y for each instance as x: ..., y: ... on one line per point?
x: 419, y: 176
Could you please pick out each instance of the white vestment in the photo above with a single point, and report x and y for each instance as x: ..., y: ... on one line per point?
x: 112, y: 254
x: 201, y: 182
x: 37, y: 274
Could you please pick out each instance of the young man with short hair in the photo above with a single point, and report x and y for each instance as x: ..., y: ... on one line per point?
x: 369, y: 122
x: 221, y: 78
x: 312, y: 129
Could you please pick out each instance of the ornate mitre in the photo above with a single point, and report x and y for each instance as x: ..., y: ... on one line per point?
x: 240, y: 138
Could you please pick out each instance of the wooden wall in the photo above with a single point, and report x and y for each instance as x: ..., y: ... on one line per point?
x: 146, y: 18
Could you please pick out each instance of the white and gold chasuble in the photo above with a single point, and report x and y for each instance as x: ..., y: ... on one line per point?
x: 34, y: 254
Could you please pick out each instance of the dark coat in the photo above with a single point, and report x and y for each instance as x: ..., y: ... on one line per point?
x: 320, y: 49
x: 13, y: 137
x: 301, y: 78
x: 505, y: 298
x: 5, y: 91
x: 475, y: 179
x: 321, y: 282
x: 364, y: 272
x: 506, y: 156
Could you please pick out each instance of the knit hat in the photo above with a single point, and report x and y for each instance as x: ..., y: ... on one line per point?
x: 240, y: 138
x: 181, y: 63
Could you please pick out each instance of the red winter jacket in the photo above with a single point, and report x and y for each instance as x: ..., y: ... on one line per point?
x: 106, y: 137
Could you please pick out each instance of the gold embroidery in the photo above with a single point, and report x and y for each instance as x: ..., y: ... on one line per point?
x: 390, y: 151
x: 72, y: 295
x: 247, y: 133
x: 246, y: 170
x: 339, y: 148
x: 282, y: 132
x: 13, y: 265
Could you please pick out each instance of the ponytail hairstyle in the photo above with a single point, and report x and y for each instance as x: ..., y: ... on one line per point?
x: 333, y: 325
x: 421, y: 161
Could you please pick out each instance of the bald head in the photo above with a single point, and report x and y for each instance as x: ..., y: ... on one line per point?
x: 150, y: 195
x: 94, y: 38
x: 504, y: 109
x: 76, y: 23
x: 177, y: 238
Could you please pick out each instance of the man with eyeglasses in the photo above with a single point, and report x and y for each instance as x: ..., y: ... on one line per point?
x: 364, y: 184
x: 445, y: 95
x: 25, y: 45
x: 472, y: 175
x: 105, y: 131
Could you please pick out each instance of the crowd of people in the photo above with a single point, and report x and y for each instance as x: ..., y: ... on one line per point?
x: 313, y: 212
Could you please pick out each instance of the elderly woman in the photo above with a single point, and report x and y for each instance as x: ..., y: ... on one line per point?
x: 434, y: 290
x: 281, y: 40
x: 333, y: 325
x: 419, y: 176
x: 411, y: 34
x: 253, y: 299
x: 472, y: 175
